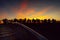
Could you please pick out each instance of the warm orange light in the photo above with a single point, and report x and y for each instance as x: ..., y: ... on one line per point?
x: 24, y: 12
x: 3, y: 15
x: 37, y: 15
x: 1, y: 22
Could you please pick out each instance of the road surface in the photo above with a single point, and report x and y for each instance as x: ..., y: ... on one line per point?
x: 18, y: 31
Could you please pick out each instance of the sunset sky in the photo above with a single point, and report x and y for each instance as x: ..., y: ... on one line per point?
x: 42, y: 9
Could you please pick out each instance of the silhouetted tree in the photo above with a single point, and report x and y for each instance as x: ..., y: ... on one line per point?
x: 37, y: 21
x: 45, y: 21
x: 49, y: 21
x: 41, y: 21
x: 5, y: 21
x: 10, y: 21
x: 15, y: 20
x: 28, y: 21
x: 24, y: 20
x: 20, y: 20
x: 33, y: 20
x: 53, y: 21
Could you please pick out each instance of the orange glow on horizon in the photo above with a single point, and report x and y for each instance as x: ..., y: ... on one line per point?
x: 4, y: 15
x: 1, y: 22
x: 29, y: 14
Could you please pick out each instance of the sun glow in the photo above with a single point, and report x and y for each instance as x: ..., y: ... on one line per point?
x: 29, y: 13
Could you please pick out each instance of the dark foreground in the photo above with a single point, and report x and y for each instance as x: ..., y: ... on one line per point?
x: 49, y: 30
x: 17, y: 32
